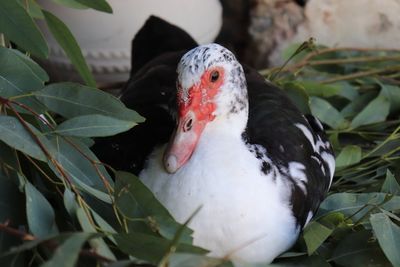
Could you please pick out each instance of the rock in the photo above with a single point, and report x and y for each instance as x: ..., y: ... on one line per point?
x: 356, y: 23
x: 273, y: 24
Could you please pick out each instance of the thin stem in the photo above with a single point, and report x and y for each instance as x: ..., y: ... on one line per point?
x: 306, y: 61
x: 49, y: 243
x: 2, y: 40
x: 42, y: 171
x: 360, y: 74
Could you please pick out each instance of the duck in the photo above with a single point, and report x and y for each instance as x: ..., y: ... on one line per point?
x: 221, y: 139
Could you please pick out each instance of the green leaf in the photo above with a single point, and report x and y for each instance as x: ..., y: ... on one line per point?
x: 357, y: 204
x: 305, y: 261
x: 355, y: 106
x: 9, y: 164
x: 32, y: 7
x: 348, y: 156
x: 356, y: 250
x: 376, y: 111
x: 291, y: 49
x: 39, y: 212
x: 19, y: 75
x: 97, y: 244
x: 384, y: 149
x: 71, y: 48
x: 66, y: 255
x: 298, y: 95
x: 392, y: 93
x: 192, y: 260
x: 388, y: 235
x: 93, y: 126
x: 81, y: 171
x: 72, y: 100
x: 314, y: 235
x: 148, y: 247
x: 69, y: 202
x: 342, y: 89
x: 100, y: 5
x: 328, y: 114
x: 11, y: 209
x: 18, y: 26
x: 390, y: 185
x: 132, y: 195
x: 70, y: 3
x: 13, y: 133
x: 104, y: 226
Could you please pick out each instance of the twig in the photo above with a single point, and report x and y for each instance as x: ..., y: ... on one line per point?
x: 360, y: 74
x: 306, y: 61
x: 49, y: 243
x: 20, y: 234
x: 94, y: 163
x: 2, y: 40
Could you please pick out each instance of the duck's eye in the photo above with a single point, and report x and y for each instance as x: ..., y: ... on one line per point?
x: 214, y: 76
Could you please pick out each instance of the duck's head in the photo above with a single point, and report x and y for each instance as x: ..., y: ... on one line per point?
x: 211, y: 89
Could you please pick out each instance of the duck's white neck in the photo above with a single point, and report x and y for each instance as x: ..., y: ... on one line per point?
x: 230, y: 124
x: 231, y: 114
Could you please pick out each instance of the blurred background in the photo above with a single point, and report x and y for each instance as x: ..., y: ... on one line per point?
x: 258, y: 31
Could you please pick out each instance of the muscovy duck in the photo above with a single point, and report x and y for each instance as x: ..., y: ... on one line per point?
x: 240, y: 150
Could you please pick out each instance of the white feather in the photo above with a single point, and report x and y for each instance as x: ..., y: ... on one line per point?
x: 245, y: 215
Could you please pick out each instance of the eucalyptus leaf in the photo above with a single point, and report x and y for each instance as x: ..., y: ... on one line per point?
x: 357, y: 204
x: 100, y: 5
x: 384, y: 149
x: 93, y: 125
x: 97, y: 244
x: 14, y: 134
x: 131, y: 193
x: 376, y: 111
x: 19, y: 75
x: 72, y: 100
x: 67, y: 253
x: 104, y: 226
x: 390, y: 185
x: 298, y: 95
x: 342, y: 89
x: 71, y: 48
x: 348, y: 156
x: 9, y: 194
x: 392, y: 93
x: 150, y: 248
x: 314, y: 235
x: 33, y: 8
x: 18, y: 26
x: 388, y: 235
x: 305, y: 261
x: 9, y: 163
x: 355, y: 106
x: 70, y: 203
x: 356, y: 250
x: 126, y: 263
x: 40, y: 213
x: 327, y: 113
x: 193, y: 260
x: 71, y: 4
x: 74, y: 160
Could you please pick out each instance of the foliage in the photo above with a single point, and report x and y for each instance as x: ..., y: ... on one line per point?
x: 355, y: 93
x: 60, y: 206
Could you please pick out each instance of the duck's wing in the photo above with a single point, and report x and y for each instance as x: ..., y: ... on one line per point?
x: 151, y: 91
x: 294, y: 143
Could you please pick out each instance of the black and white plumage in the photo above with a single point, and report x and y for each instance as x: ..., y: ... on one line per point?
x: 240, y: 149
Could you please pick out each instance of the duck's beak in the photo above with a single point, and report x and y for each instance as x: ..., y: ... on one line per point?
x: 194, y: 114
x: 196, y: 110
x: 183, y: 142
